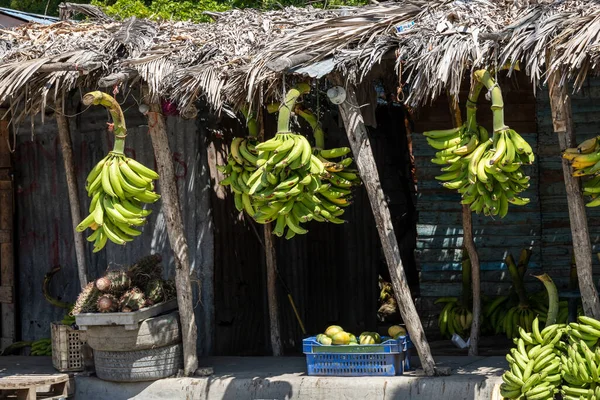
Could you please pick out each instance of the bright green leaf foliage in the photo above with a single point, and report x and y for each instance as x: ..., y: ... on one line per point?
x: 182, y: 10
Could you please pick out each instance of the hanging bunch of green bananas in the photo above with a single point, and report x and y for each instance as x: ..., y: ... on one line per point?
x: 340, y: 178
x: 241, y: 161
x: 534, y: 365
x: 486, y: 172
x: 42, y: 347
x: 585, y: 161
x: 118, y: 186
x: 282, y: 181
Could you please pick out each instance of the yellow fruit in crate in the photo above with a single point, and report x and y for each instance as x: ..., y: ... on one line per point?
x: 376, y: 337
x: 332, y: 330
x: 367, y: 339
x: 352, y: 339
x: 341, y: 338
x: 396, y: 330
x: 323, y: 339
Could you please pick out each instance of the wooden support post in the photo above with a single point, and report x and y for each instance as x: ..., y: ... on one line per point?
x: 361, y: 148
x: 469, y: 246
x: 64, y: 136
x: 172, y: 214
x: 271, y: 266
x: 7, y: 263
x: 272, y: 299
x: 560, y: 103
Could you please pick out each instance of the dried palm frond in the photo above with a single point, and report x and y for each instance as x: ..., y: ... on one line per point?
x: 230, y: 61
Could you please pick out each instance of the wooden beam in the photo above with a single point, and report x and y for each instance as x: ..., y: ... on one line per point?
x: 560, y: 104
x: 64, y: 136
x: 65, y: 66
x: 117, y: 77
x: 172, y: 213
x: 285, y: 63
x: 361, y: 148
x: 469, y: 245
x: 272, y: 299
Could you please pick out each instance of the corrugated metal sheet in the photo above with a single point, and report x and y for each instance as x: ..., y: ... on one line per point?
x: 44, y: 223
x: 29, y: 17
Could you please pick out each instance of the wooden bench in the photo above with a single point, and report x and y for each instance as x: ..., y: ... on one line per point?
x: 25, y: 387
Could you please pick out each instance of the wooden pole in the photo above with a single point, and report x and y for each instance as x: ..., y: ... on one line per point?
x: 7, y: 263
x: 361, y: 148
x: 560, y: 103
x: 64, y: 136
x: 172, y: 214
x: 271, y: 264
x: 469, y: 245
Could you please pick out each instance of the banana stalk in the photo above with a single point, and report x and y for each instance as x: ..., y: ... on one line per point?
x: 517, y: 280
x: 46, y: 290
x: 476, y: 87
x: 112, y: 105
x: 251, y: 122
x: 285, y: 111
x: 483, y: 76
x: 318, y: 133
x: 552, y: 298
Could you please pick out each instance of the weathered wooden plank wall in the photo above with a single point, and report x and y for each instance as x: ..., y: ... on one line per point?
x: 556, y: 231
x: 543, y: 225
x: 44, y: 227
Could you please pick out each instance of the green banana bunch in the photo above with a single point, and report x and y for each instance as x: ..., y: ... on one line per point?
x: 42, y: 347
x: 454, y: 318
x: 534, y: 365
x: 585, y: 161
x: 518, y: 317
x: 580, y: 361
x: 494, y: 312
x: 118, y: 186
x: 486, y: 172
x: 494, y: 174
x: 283, y: 180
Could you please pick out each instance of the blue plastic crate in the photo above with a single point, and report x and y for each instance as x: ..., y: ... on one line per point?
x: 389, y: 358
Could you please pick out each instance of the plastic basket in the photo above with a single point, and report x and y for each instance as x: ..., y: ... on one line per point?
x: 66, y: 348
x: 388, y: 358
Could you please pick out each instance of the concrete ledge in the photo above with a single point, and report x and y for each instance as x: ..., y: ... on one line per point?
x: 285, y: 378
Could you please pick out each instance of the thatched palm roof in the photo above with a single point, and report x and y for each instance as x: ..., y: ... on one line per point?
x: 240, y: 56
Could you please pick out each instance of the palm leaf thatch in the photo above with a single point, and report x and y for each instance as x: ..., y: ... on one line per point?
x: 232, y: 60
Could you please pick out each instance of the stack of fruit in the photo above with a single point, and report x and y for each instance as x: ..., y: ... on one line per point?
x: 558, y: 359
x: 282, y: 181
x: 585, y: 160
x: 118, y: 186
x: 335, y: 335
x: 487, y: 173
x: 41, y: 347
x: 534, y: 366
x: 121, y: 290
